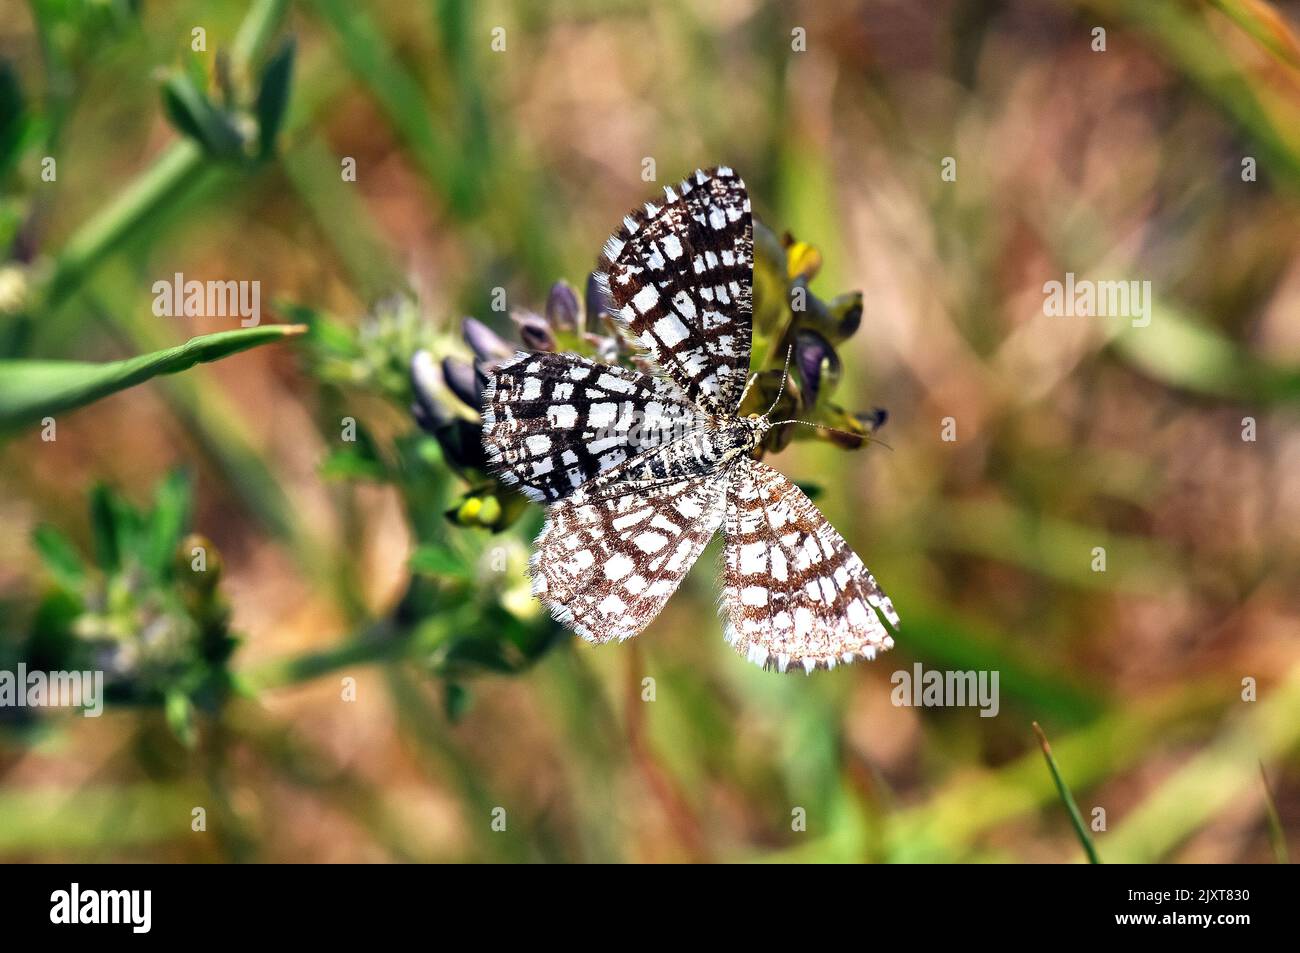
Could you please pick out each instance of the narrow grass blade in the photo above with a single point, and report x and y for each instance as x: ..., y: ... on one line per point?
x: 31, y: 390
x: 1067, y: 798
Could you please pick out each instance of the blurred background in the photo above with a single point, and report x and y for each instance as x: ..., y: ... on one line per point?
x: 359, y: 674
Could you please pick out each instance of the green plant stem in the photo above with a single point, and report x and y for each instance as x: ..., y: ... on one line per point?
x: 178, y: 170
x: 367, y: 51
x: 1067, y: 798
x: 383, y: 641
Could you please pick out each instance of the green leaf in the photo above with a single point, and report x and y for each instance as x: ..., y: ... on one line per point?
x: 433, y: 560
x: 273, y: 96
x: 31, y: 390
x: 193, y: 114
x: 108, y: 520
x: 60, y: 557
x: 469, y: 654
x: 167, y: 523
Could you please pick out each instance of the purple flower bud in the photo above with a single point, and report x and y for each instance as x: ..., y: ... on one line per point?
x: 534, y: 332
x: 486, y: 344
x: 425, y: 380
x: 817, y: 362
x: 562, y: 308
x: 464, y: 380
x: 426, y: 421
x: 460, y: 439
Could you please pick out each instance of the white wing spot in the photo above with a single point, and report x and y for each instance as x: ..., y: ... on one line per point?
x: 612, y: 604
x: 646, y: 298
x: 562, y: 415
x: 684, y: 305
x: 601, y: 415
x: 670, y: 330
x: 650, y: 542
x: 753, y: 558
x: 618, y: 566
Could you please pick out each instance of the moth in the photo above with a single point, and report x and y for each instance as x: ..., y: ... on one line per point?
x: 639, y: 471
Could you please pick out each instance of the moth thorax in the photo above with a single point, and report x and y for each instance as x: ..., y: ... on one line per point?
x: 743, y: 434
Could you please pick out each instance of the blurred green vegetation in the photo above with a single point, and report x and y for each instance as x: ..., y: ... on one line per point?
x: 368, y: 679
x: 32, y: 389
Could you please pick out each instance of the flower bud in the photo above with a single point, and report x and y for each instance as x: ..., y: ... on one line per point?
x: 425, y: 380
x: 534, y: 331
x: 846, y: 311
x: 486, y: 344
x: 464, y: 380
x: 802, y: 259
x: 819, y: 365
x: 562, y: 308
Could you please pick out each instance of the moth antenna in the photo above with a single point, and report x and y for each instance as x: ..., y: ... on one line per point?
x: 847, y: 433
x: 785, y: 372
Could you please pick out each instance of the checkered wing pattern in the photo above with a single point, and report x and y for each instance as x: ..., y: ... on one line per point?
x: 552, y: 422
x: 681, y: 275
x: 610, y: 555
x: 795, y: 593
x: 641, y: 471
